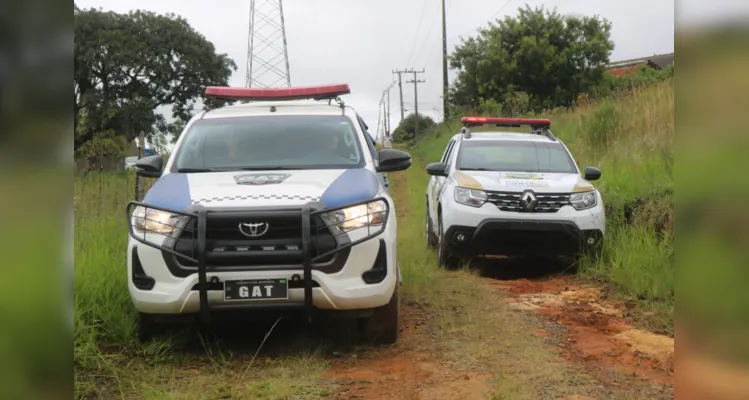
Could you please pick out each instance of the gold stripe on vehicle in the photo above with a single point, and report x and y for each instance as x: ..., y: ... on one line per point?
x: 582, y: 186
x: 467, y: 181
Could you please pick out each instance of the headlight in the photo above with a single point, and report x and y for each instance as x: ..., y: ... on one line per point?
x: 155, y: 221
x: 470, y: 197
x: 373, y: 213
x: 583, y: 200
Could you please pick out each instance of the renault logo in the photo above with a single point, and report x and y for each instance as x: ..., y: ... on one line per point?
x: 254, y: 230
x: 528, y: 201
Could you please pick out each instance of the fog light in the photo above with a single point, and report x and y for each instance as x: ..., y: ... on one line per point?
x: 591, y: 240
x: 460, y: 237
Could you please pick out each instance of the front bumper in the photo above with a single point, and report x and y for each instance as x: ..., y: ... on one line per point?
x: 488, y: 230
x: 190, y: 275
x: 522, y: 238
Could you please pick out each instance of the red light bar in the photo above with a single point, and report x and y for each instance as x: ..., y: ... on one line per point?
x: 475, y: 121
x: 297, y: 93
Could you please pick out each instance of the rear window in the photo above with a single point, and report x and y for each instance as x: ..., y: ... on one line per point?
x: 270, y: 142
x: 514, y: 156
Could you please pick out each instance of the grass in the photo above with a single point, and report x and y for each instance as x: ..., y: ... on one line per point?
x: 109, y: 361
x: 630, y: 138
x: 464, y: 329
x: 467, y: 323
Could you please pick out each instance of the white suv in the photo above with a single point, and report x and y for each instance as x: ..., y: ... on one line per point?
x: 269, y: 206
x: 511, y: 194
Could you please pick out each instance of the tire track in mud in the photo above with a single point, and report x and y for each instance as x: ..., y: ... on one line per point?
x: 595, y: 333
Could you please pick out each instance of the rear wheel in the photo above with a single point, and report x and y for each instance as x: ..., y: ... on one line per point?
x: 430, y: 236
x: 445, y: 257
x: 383, y: 326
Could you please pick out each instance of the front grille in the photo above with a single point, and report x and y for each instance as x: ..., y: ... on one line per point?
x: 280, y: 245
x: 280, y: 228
x: 547, y: 202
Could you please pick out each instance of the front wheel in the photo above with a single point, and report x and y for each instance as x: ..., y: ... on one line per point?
x: 445, y: 257
x: 147, y: 327
x: 383, y: 326
x: 429, y: 233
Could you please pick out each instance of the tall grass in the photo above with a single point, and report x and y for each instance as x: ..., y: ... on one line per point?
x: 104, y: 317
x: 630, y: 138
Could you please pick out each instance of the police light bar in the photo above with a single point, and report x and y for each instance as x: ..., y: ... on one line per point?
x: 515, y: 122
x: 296, y: 93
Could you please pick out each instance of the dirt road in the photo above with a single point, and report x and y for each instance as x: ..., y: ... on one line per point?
x: 506, y: 332
x: 588, y: 332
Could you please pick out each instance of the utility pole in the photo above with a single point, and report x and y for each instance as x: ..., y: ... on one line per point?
x: 446, y: 110
x: 416, y: 98
x: 379, y: 121
x: 387, y: 121
x: 400, y: 90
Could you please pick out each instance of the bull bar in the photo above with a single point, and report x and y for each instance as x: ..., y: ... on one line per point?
x: 195, y: 223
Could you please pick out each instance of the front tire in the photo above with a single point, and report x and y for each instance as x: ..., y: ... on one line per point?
x: 445, y: 257
x: 383, y: 326
x: 147, y: 327
x: 429, y: 233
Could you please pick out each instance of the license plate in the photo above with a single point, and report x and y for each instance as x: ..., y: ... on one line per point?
x: 257, y: 289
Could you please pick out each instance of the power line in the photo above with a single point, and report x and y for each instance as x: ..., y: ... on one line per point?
x: 418, y: 27
x: 490, y: 20
x: 423, y: 47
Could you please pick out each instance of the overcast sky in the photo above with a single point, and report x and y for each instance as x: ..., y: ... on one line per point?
x: 360, y: 42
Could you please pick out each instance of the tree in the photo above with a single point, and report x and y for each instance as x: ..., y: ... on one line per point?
x: 406, y: 129
x: 550, y: 57
x: 127, y: 65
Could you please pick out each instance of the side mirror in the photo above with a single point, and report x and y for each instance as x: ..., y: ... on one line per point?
x: 393, y: 160
x: 149, y: 167
x: 437, y: 169
x: 592, y: 173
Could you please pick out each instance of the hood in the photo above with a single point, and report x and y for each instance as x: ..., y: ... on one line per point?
x: 333, y: 188
x: 520, y: 181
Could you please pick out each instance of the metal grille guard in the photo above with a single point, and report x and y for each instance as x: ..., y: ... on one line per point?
x: 182, y: 220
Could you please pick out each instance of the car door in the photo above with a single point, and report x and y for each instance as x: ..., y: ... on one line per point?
x: 435, y: 185
x: 442, y: 180
x: 372, y: 149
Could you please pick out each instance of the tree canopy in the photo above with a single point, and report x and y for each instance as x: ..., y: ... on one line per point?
x: 550, y: 57
x: 127, y: 65
x: 406, y: 129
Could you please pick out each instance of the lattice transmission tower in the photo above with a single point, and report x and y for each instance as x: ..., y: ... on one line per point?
x: 267, y: 58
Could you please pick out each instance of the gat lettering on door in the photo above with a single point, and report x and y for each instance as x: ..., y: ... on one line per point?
x: 244, y: 291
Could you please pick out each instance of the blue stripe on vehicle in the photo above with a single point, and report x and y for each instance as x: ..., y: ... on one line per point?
x: 170, y: 191
x: 352, y: 186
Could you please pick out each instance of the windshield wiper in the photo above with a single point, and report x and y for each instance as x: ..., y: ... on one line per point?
x: 194, y: 170
x: 476, y: 169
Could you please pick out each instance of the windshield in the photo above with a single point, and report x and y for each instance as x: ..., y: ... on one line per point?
x: 270, y: 142
x: 514, y: 156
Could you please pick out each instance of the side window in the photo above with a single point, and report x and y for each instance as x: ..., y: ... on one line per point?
x: 447, y: 151
x: 450, y: 157
x: 368, y: 137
